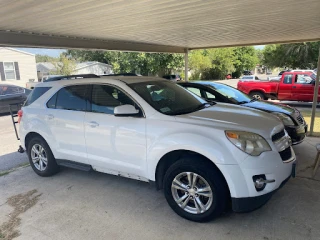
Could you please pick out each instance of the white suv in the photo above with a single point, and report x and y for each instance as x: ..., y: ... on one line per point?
x: 203, y: 155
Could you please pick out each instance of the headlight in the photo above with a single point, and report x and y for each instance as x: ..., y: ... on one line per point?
x: 287, y: 121
x: 250, y: 143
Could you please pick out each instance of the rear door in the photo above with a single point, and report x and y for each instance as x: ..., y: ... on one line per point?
x: 65, y: 117
x: 286, y: 89
x: 303, y: 88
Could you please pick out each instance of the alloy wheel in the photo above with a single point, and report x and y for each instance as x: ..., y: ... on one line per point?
x: 192, y: 192
x: 39, y: 157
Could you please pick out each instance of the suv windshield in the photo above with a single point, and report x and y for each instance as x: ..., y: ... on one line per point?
x: 168, y: 98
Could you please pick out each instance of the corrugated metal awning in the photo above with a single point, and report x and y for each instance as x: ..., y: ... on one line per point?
x: 157, y: 25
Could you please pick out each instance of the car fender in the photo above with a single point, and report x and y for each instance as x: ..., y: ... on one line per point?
x: 215, y: 151
x: 37, y: 125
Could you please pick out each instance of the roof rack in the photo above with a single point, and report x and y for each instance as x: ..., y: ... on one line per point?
x: 121, y: 74
x: 70, y: 77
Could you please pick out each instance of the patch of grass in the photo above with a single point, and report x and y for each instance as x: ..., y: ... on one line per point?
x: 3, y: 174
x: 1, y: 235
x: 26, y: 164
x: 306, y: 113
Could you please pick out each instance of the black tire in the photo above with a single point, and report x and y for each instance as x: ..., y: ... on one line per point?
x: 52, y: 166
x: 213, y: 177
x: 258, y: 95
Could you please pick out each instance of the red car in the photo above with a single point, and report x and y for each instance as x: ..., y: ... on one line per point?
x: 293, y: 86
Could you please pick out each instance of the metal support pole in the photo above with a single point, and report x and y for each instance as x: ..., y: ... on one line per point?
x: 315, y: 96
x: 186, y: 67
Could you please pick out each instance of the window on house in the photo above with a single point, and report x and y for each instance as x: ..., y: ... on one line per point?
x: 9, y: 70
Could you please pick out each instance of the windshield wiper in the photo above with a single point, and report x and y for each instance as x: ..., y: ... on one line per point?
x: 243, y: 102
x: 201, y: 106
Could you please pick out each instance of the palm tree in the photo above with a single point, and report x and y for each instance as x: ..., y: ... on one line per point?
x: 302, y: 55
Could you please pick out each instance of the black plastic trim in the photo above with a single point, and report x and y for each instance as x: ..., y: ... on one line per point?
x: 252, y: 203
x: 75, y: 165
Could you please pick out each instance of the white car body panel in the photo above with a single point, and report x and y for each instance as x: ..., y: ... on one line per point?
x: 132, y: 147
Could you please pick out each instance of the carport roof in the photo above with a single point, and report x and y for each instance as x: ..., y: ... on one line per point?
x: 157, y: 25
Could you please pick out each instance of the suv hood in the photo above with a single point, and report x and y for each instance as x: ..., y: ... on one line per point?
x: 234, y: 117
x: 270, y: 107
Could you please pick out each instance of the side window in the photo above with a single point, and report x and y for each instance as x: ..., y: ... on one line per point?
x: 287, y: 79
x: 303, y: 79
x: 52, y: 102
x: 3, y: 89
x: 256, y: 78
x: 35, y: 94
x: 210, y: 96
x: 195, y: 91
x: 72, y: 98
x: 106, y: 98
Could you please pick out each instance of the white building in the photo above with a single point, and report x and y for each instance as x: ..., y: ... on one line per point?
x: 17, y: 67
x: 98, y: 68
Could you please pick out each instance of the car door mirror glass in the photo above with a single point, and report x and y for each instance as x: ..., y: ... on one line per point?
x: 126, y: 111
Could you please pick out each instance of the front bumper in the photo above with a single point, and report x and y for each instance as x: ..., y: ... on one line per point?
x: 240, y: 178
x: 297, y: 133
x: 249, y: 204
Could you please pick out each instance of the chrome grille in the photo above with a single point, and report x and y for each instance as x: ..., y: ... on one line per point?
x: 300, y: 119
x: 277, y: 136
x: 286, y: 154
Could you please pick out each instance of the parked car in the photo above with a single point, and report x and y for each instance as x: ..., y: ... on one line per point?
x: 249, y: 78
x: 293, y: 86
x: 247, y: 72
x: 292, y: 119
x: 202, y: 154
x: 172, y: 77
x: 11, y: 95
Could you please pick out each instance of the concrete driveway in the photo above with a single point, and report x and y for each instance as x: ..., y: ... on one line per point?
x: 92, y: 205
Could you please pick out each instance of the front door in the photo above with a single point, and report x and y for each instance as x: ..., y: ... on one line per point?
x: 303, y: 88
x: 285, y: 91
x: 65, y: 117
x: 115, y: 145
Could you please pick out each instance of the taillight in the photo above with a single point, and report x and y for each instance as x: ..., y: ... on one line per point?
x: 20, y: 113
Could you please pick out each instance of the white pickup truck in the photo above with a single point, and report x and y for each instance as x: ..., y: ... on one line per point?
x: 202, y: 154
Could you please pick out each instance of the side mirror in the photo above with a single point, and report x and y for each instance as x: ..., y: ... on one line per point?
x: 125, y: 111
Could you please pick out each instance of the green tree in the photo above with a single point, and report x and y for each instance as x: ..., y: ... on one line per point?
x: 134, y: 62
x: 246, y: 59
x: 44, y: 58
x: 64, y: 66
x: 296, y: 55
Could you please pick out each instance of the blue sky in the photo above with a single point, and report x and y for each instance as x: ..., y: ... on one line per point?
x: 56, y: 52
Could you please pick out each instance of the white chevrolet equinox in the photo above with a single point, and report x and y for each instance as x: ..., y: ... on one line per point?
x: 205, y: 156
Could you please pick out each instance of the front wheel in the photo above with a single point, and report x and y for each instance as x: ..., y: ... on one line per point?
x: 195, y: 190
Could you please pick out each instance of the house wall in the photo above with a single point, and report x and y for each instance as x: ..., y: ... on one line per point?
x: 97, y: 69
x: 26, y: 62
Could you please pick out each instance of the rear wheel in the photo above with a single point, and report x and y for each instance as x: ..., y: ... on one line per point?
x: 258, y: 95
x: 41, y: 158
x: 195, y: 190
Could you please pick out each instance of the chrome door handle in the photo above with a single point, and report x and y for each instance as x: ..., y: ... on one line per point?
x: 50, y: 117
x: 93, y: 124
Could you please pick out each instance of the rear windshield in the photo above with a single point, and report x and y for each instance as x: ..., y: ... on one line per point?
x: 35, y: 94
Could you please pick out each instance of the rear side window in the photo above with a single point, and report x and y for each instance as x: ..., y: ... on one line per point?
x: 71, y: 98
x: 35, y: 94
